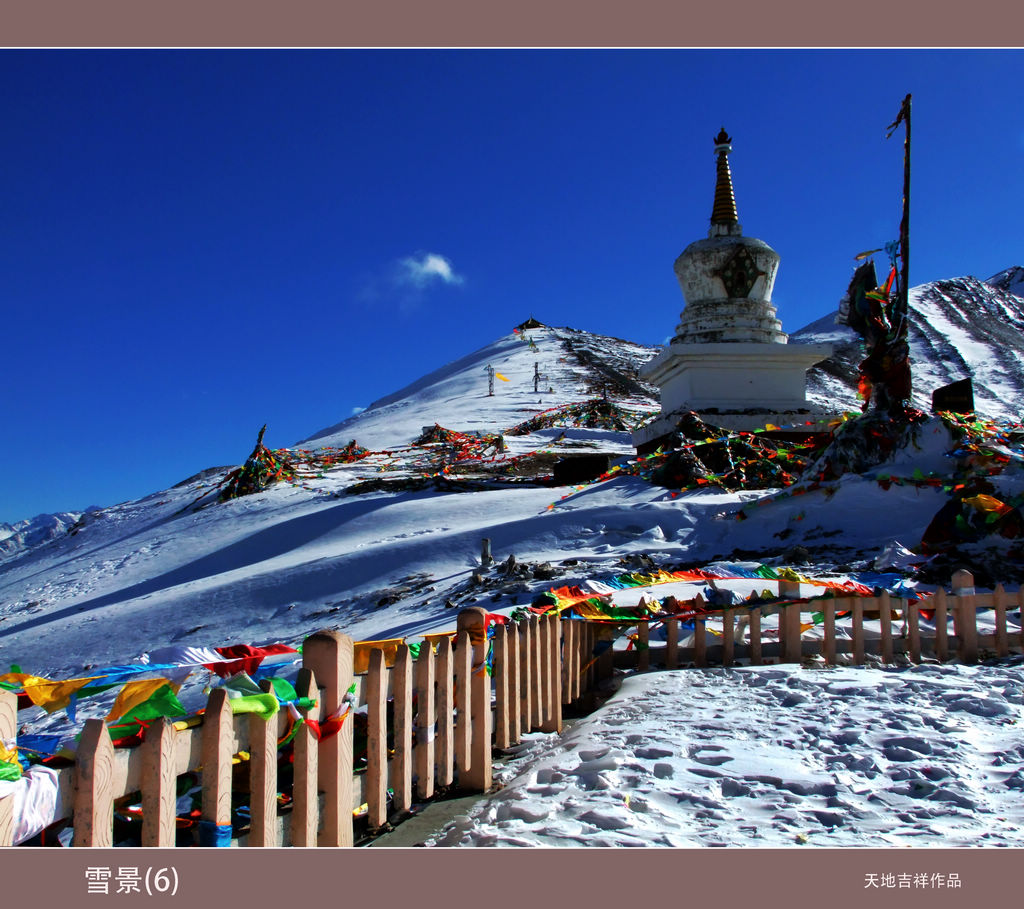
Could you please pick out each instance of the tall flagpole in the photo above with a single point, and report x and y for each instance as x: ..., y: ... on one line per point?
x: 904, y: 117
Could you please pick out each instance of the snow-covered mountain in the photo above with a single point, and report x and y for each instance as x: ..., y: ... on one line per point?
x: 16, y: 538
x: 959, y: 328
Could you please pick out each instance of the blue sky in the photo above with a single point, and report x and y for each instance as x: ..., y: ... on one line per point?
x: 195, y: 243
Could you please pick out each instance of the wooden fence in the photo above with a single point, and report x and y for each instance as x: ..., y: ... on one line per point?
x: 447, y: 714
x: 900, y: 631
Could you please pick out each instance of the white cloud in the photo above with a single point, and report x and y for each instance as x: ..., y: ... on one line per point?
x: 424, y: 268
x: 357, y: 410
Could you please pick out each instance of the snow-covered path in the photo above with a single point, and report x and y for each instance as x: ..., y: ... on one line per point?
x: 774, y: 756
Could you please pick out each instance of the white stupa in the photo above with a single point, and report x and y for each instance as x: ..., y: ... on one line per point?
x: 729, y: 360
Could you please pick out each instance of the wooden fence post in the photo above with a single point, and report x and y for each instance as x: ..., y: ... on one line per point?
x: 473, y: 620
x: 159, y: 785
x: 857, y: 609
x: 885, y: 626
x: 8, y: 733
x: 263, y: 777
x: 965, y: 616
x: 217, y: 748
x: 728, y: 635
x: 941, y: 626
x: 536, y: 673
x: 672, y: 643
x: 425, y: 721
x: 829, y: 644
x: 376, y: 741
x: 913, y: 615
x: 754, y: 634
x: 445, y: 751
x: 790, y: 648
x: 328, y: 654
x: 789, y: 633
x: 570, y: 653
x: 576, y: 692
x: 546, y: 688
x: 502, y: 730
x: 401, y: 692
x: 463, y: 704
x: 515, y: 696
x: 700, y: 644
x: 525, y: 632
x: 305, y: 798
x: 93, y: 816
x: 999, y: 604
x: 553, y: 718
x: 643, y: 646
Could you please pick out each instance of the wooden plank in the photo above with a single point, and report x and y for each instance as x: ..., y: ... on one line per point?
x: 885, y: 624
x: 262, y: 777
x: 376, y: 793
x: 473, y: 620
x: 463, y: 704
x: 444, y: 752
x: 328, y: 654
x: 966, y: 624
x: 426, y: 721
x: 913, y: 615
x: 557, y: 656
x: 941, y: 626
x: 606, y: 662
x: 401, y: 765
x: 577, y: 659
x: 305, y: 799
x: 513, y: 690
x: 526, y: 676
x: 829, y: 643
x: 553, y: 688
x: 569, y: 655
x: 999, y: 604
x: 700, y: 647
x: 1016, y: 599
x: 537, y: 674
x: 755, y: 636
x: 502, y: 730
x: 857, y: 610
x: 643, y: 646
x: 728, y: 634
x: 93, y: 816
x: 159, y: 787
x: 8, y: 735
x: 544, y: 657
x: 789, y: 630
x: 218, y: 746
x: 672, y: 643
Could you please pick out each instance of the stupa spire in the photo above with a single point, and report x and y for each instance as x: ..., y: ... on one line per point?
x: 723, y: 212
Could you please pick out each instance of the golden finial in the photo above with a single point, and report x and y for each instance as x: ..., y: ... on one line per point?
x: 724, y: 209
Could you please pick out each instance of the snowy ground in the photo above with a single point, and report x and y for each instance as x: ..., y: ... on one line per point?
x: 774, y: 756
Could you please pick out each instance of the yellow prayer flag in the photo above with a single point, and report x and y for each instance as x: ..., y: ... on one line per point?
x: 50, y: 695
x: 361, y: 653
x: 498, y: 375
x: 135, y: 693
x: 435, y: 638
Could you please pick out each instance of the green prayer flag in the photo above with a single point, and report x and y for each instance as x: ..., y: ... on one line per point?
x: 263, y: 705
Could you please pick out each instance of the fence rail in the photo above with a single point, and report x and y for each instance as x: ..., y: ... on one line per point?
x: 447, y: 714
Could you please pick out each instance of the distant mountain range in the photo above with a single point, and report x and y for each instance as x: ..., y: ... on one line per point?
x: 22, y: 535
